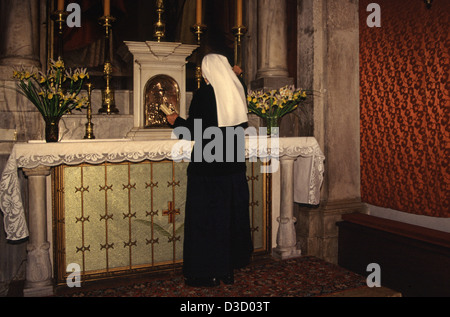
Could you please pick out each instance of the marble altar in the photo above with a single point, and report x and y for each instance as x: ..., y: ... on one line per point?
x: 294, y: 155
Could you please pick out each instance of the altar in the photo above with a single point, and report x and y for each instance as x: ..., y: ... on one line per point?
x: 76, y: 205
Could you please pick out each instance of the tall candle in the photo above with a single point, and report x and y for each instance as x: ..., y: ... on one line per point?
x: 199, y: 12
x: 239, y: 13
x: 107, y: 8
x: 60, y: 5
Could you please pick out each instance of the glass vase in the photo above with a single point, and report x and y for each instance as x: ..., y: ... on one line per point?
x: 273, y: 125
x: 52, y: 129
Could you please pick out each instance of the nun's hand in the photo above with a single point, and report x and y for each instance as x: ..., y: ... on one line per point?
x: 171, y: 118
x: 237, y: 70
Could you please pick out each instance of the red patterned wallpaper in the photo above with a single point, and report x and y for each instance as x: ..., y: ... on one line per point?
x: 404, y: 107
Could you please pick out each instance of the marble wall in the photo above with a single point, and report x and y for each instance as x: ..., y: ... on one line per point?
x: 19, y: 114
x: 328, y: 63
x: 115, y: 126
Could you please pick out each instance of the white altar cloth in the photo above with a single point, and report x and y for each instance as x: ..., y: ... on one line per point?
x: 309, y: 166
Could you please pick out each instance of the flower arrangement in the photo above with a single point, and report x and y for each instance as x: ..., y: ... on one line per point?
x: 54, y: 93
x: 274, y: 104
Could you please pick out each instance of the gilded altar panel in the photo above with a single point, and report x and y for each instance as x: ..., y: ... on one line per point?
x: 127, y: 218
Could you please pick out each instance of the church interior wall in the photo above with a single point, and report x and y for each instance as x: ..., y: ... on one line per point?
x: 315, y: 36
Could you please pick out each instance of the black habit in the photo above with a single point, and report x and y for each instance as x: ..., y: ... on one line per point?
x: 217, y: 236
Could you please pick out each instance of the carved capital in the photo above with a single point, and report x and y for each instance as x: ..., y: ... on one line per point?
x: 38, y: 171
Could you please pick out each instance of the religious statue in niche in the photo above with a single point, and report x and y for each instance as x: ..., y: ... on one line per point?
x: 161, y: 92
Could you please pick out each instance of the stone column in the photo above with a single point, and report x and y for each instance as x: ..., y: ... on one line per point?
x: 272, y: 46
x: 39, y: 269
x: 329, y: 64
x: 286, y: 237
x: 19, y: 22
x: 20, y: 38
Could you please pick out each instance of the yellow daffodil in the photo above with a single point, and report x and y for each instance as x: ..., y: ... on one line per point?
x: 81, y: 102
x: 59, y: 64
x: 83, y: 74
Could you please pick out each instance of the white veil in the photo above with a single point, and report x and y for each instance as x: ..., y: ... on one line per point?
x: 229, y: 92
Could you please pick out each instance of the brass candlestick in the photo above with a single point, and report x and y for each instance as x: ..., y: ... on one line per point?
x: 59, y: 17
x: 198, y: 29
x: 160, y: 26
x: 239, y: 32
x: 108, y: 100
x: 89, y: 125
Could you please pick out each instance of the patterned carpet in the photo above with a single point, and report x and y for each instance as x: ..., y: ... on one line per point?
x: 302, y: 277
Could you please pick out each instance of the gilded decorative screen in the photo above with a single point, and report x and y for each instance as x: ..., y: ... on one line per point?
x: 122, y: 219
x: 160, y: 90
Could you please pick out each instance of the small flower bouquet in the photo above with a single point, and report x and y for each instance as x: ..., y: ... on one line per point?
x: 55, y: 93
x: 274, y: 104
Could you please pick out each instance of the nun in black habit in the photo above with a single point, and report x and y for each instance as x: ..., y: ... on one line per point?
x: 217, y: 236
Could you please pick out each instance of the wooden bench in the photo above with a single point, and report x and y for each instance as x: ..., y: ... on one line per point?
x: 413, y: 260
